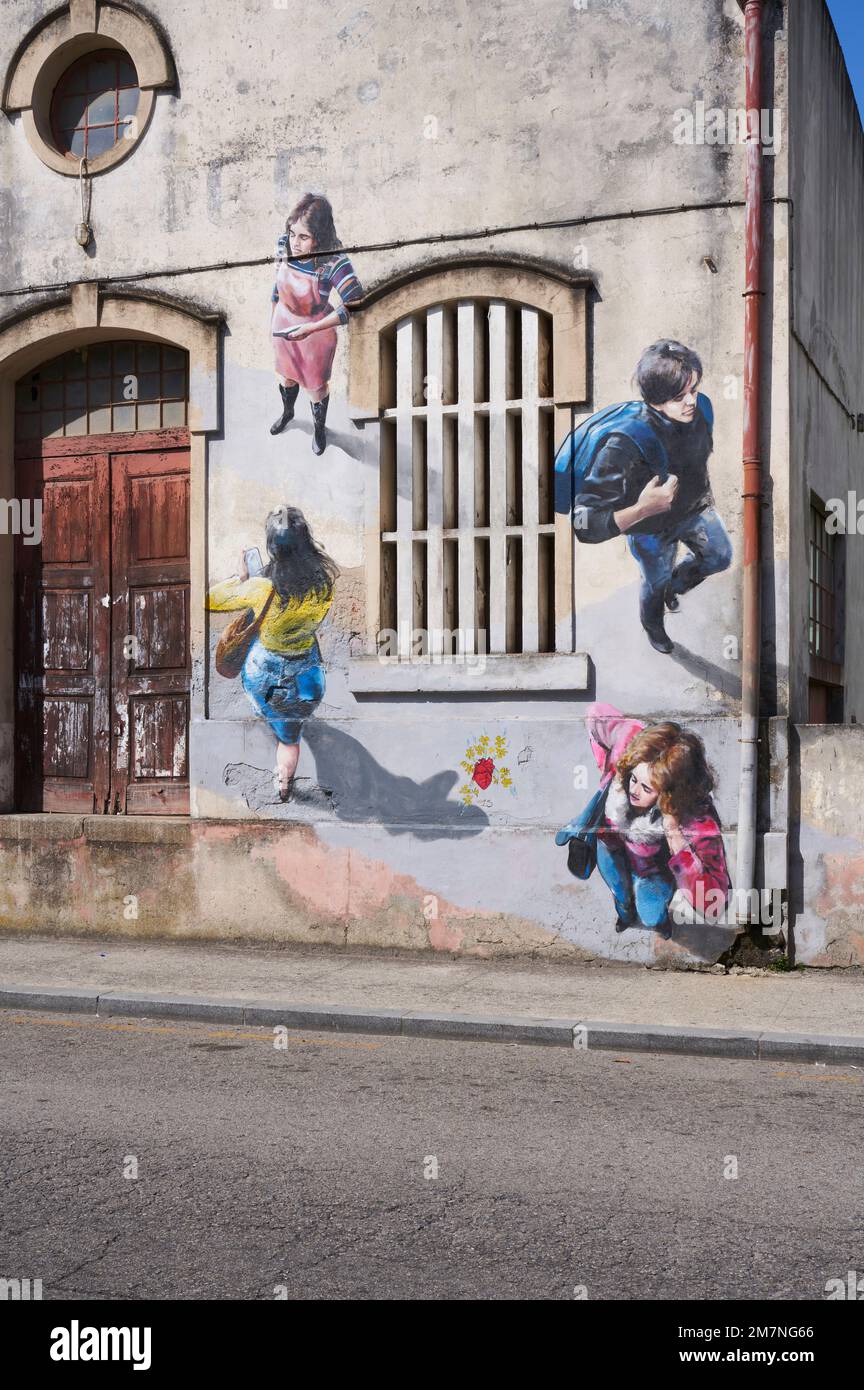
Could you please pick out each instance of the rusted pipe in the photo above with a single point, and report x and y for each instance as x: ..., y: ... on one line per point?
x: 752, y: 463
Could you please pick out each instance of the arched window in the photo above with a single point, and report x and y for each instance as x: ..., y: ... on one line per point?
x: 104, y: 388
x: 467, y: 523
x: 475, y: 373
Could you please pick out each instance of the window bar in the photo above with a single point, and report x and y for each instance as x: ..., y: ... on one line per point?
x: 563, y: 624
x: 451, y: 597
x: 388, y: 616
x: 466, y: 336
x: 497, y: 601
x: 419, y: 607
x: 530, y: 478
x: 515, y: 551
x: 435, y: 367
x: 546, y: 588
x: 404, y: 481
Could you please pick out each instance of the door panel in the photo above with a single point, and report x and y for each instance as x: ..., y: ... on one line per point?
x: 159, y: 514
x: 102, y: 637
x: 63, y: 638
x: 150, y: 626
x: 159, y: 738
x: 66, y: 734
x: 66, y: 629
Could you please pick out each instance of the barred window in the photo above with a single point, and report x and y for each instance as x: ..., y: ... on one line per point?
x: 467, y: 377
x: 467, y: 527
x: 823, y: 567
x: 826, y: 618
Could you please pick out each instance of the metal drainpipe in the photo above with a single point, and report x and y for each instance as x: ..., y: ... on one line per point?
x: 752, y: 462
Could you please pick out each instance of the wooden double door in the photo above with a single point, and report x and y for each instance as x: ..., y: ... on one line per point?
x: 102, y: 635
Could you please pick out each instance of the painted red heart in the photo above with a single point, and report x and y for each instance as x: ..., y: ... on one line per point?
x: 482, y: 773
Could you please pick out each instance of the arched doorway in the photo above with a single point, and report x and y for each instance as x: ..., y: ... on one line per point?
x: 132, y: 459
x: 102, y: 652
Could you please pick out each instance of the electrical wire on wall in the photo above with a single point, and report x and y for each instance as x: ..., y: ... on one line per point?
x: 400, y: 243
x: 84, y: 235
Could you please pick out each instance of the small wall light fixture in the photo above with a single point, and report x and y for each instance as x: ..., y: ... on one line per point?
x: 83, y: 230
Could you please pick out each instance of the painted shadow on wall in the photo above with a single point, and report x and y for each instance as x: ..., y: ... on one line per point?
x: 359, y: 789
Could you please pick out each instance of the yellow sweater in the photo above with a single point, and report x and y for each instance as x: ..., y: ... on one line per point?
x: 288, y: 628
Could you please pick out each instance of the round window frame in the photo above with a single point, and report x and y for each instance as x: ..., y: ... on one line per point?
x: 49, y: 50
x: 91, y: 54
x: 37, y: 121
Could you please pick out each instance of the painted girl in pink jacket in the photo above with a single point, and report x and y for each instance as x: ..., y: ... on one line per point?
x: 662, y: 832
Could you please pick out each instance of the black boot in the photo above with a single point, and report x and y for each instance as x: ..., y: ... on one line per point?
x: 651, y: 613
x: 289, y: 396
x: 319, y: 415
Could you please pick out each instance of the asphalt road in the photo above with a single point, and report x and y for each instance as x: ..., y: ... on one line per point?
x: 303, y: 1168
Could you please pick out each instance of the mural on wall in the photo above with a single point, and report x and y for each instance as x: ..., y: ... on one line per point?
x: 651, y: 828
x: 641, y: 469
x: 485, y: 765
x: 309, y: 302
x: 273, y: 644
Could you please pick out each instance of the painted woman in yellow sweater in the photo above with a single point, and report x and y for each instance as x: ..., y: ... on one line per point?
x: 283, y: 675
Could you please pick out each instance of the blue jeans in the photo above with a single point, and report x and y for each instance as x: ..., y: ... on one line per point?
x: 284, y: 689
x: 647, y: 896
x: 705, y: 537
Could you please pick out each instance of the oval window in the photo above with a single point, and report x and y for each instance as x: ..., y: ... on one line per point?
x: 94, y: 104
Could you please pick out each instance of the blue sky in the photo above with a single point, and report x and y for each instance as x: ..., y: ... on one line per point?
x: 848, y: 16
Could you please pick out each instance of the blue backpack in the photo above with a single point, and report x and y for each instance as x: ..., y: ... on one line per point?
x: 576, y: 455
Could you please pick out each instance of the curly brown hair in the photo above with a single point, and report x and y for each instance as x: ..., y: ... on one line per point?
x: 318, y: 215
x: 680, y: 772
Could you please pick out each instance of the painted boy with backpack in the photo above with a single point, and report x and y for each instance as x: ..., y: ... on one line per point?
x: 641, y: 470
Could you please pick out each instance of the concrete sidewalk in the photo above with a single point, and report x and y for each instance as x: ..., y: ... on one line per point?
x: 812, y: 1016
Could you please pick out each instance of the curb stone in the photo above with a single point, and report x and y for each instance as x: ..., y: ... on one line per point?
x: 187, y: 1006
x: 340, y: 1018
x: 48, y: 998
x: 550, y: 1032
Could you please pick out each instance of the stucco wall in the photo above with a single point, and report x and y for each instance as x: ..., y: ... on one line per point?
x: 827, y: 846
x: 537, y: 114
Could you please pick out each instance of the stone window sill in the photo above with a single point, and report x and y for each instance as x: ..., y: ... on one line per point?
x: 541, y: 672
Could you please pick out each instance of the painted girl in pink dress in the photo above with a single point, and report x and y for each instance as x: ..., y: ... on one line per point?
x: 309, y: 302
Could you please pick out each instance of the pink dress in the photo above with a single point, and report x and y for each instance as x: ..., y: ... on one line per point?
x: 309, y: 360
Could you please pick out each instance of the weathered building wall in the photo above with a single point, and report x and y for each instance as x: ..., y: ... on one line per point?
x: 826, y: 183
x: 827, y: 852
x: 417, y: 125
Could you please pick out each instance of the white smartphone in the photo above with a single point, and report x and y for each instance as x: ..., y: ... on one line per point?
x: 253, y: 561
